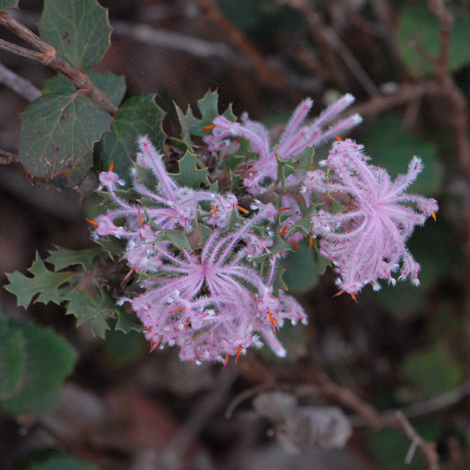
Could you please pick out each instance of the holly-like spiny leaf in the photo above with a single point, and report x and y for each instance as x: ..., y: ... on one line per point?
x: 189, y: 175
x: 209, y: 108
x: 302, y: 163
x: 44, y: 282
x: 79, y: 30
x: 57, y: 130
x: 138, y: 116
x: 63, y: 258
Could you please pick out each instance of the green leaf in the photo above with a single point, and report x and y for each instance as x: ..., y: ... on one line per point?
x: 189, y: 175
x: 49, y: 360
x: 301, y: 269
x: 280, y: 245
x: 390, y: 447
x: 71, y: 178
x: 62, y: 463
x: 128, y: 322
x: 8, y: 4
x: 79, y: 30
x: 186, y: 121
x: 177, y: 237
x: 392, y: 146
x: 433, y: 372
x: 57, y: 130
x: 12, y: 360
x: 63, y: 258
x: 138, y: 116
x: 234, y: 220
x: 92, y: 305
x: 231, y: 162
x: 209, y: 108
x: 58, y: 84
x: 44, y: 282
x: 419, y: 23
x: 302, y: 163
x: 113, y: 86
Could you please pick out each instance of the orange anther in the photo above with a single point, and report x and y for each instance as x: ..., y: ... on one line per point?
x: 433, y: 215
x: 111, y: 167
x: 354, y: 297
x: 283, y: 231
x: 206, y: 128
x: 296, y: 246
x: 242, y: 209
x: 226, y: 360
x: 238, y: 352
x: 338, y: 293
x: 186, y: 324
x: 140, y: 216
x: 310, y: 240
x: 176, y: 310
x: 284, y: 208
x: 338, y: 138
x: 214, y: 209
x: 92, y: 222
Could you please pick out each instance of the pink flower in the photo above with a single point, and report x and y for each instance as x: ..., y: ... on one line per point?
x: 212, y: 303
x: 294, y: 140
x: 366, y: 242
x: 170, y: 205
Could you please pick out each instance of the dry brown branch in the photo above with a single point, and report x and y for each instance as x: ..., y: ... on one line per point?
x: 243, y: 45
x: 47, y: 55
x: 6, y: 157
x: 329, y: 41
x: 428, y: 449
x: 18, y: 84
x: 396, y: 420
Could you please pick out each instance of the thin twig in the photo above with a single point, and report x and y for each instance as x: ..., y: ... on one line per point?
x: 171, y: 40
x: 353, y: 64
x: 47, y: 56
x: 264, y: 70
x: 397, y: 420
x: 18, y: 84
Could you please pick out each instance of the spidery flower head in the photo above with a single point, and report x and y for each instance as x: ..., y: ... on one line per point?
x: 213, y: 303
x: 366, y: 241
x: 295, y: 139
x: 210, y: 300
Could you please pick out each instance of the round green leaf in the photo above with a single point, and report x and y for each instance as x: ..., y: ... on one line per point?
x: 391, y: 146
x: 8, y: 4
x: 418, y: 23
x: 79, y: 30
x: 433, y: 372
x: 49, y: 359
x: 113, y: 86
x: 57, y: 130
x: 63, y: 463
x: 138, y: 116
x: 12, y: 360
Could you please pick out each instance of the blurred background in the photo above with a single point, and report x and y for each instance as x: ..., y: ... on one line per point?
x: 403, y: 348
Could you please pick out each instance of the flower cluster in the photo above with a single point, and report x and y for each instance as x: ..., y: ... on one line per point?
x: 295, y: 139
x: 212, y: 268
x: 211, y: 300
x: 366, y: 241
